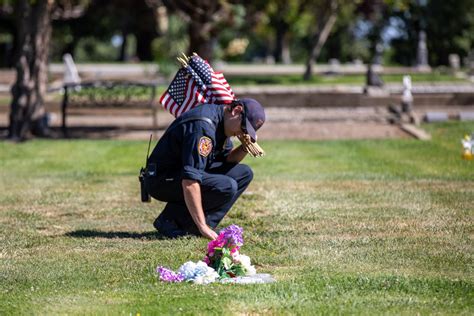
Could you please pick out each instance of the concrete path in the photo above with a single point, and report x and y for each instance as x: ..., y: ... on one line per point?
x: 237, y: 69
x: 392, y: 88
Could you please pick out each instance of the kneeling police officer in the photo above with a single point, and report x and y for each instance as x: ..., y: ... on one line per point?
x: 196, y: 170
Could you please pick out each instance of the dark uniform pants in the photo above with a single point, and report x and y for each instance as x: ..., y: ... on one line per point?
x: 221, y: 186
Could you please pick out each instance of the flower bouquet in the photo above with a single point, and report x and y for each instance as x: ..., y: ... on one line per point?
x: 223, y: 254
x: 222, y: 261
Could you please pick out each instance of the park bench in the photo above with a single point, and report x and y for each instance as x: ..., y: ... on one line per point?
x: 108, y: 94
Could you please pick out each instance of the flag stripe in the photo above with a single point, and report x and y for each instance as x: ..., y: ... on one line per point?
x: 173, y: 108
x: 189, y: 97
x: 169, y: 104
x: 164, y: 98
x: 195, y: 99
x: 186, y: 100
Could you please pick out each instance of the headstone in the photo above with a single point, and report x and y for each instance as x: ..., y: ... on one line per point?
x: 163, y: 21
x: 454, y: 62
x: 378, y: 54
x: 374, y: 84
x: 466, y: 116
x: 357, y: 65
x: 470, y: 62
x: 334, y: 66
x: 259, y: 278
x: 422, y: 52
x: 286, y: 56
x: 70, y: 71
x: 373, y: 79
x: 431, y: 117
x: 269, y: 60
x: 407, y: 96
x: 408, y: 115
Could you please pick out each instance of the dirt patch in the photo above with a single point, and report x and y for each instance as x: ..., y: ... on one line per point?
x: 331, y: 130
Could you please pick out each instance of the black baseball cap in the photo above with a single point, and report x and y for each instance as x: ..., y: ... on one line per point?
x: 253, y: 117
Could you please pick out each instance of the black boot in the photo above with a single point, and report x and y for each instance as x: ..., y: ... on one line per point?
x: 168, y: 227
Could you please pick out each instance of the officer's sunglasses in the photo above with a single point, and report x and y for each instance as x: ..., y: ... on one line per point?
x: 243, y: 116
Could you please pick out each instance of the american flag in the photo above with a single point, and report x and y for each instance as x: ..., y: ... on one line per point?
x: 195, y: 84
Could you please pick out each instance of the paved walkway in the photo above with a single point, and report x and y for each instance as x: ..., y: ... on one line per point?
x: 238, y: 69
x: 393, y: 88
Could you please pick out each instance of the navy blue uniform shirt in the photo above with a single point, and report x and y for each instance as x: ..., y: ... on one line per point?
x: 191, y: 147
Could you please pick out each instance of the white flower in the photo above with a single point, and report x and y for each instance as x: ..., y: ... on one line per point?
x: 250, y: 270
x: 210, y: 276
x: 199, y: 280
x: 245, y: 260
x: 247, y: 265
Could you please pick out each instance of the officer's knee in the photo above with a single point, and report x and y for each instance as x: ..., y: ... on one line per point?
x: 228, y: 188
x: 233, y: 187
x: 247, y: 173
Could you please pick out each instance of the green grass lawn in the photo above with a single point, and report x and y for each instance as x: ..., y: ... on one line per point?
x: 432, y: 77
x: 346, y: 227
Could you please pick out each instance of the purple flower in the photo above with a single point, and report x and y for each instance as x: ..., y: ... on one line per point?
x: 233, y: 235
x: 167, y: 275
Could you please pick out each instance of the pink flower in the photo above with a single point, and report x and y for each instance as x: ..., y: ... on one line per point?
x: 217, y: 243
x: 235, y: 255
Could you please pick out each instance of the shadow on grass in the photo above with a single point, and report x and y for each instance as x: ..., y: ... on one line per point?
x: 112, y: 235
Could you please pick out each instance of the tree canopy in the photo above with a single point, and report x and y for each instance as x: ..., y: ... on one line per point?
x: 32, y: 32
x: 243, y: 30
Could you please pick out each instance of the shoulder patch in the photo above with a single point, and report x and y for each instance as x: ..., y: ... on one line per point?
x: 204, y: 146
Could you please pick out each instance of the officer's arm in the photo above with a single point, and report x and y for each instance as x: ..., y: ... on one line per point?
x: 237, y: 154
x: 192, y: 197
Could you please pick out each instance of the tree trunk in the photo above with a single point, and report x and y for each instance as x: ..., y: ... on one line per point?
x: 319, y: 40
x: 200, y: 40
x: 282, y: 47
x: 123, y: 48
x: 144, y: 41
x: 285, y: 52
x: 280, y: 31
x: 205, y: 21
x: 27, y: 111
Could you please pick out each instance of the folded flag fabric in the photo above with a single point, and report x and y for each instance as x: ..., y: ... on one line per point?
x: 195, y: 83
